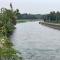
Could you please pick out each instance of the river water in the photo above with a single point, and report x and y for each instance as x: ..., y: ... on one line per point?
x: 36, y: 41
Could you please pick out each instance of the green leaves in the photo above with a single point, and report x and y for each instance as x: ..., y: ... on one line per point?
x: 7, y: 22
x: 53, y: 17
x: 6, y: 50
x: 8, y: 54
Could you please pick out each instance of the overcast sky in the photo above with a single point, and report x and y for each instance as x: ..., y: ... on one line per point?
x: 33, y: 6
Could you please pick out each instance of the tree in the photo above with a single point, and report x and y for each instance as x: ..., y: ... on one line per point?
x: 7, y: 22
x: 52, y: 17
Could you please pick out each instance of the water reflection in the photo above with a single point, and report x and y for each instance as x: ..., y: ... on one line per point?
x: 37, y: 42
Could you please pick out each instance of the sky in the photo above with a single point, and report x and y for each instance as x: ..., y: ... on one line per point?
x: 32, y: 6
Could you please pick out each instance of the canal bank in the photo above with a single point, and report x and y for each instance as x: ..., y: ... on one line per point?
x: 51, y: 25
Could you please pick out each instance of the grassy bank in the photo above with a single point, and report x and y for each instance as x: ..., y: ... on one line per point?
x: 7, y: 22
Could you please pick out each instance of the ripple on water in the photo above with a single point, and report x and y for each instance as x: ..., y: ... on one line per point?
x: 37, y: 42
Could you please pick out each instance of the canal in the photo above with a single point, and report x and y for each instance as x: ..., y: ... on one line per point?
x: 36, y: 41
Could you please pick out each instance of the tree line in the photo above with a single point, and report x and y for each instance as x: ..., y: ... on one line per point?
x: 27, y: 16
x: 52, y: 17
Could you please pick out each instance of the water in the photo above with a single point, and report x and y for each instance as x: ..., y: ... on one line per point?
x: 36, y: 42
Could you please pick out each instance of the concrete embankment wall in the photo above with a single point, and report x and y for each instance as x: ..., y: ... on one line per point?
x: 52, y: 25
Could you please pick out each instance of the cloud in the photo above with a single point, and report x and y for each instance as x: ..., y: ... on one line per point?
x: 32, y: 6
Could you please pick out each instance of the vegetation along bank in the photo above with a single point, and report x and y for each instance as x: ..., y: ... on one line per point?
x: 7, y: 22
